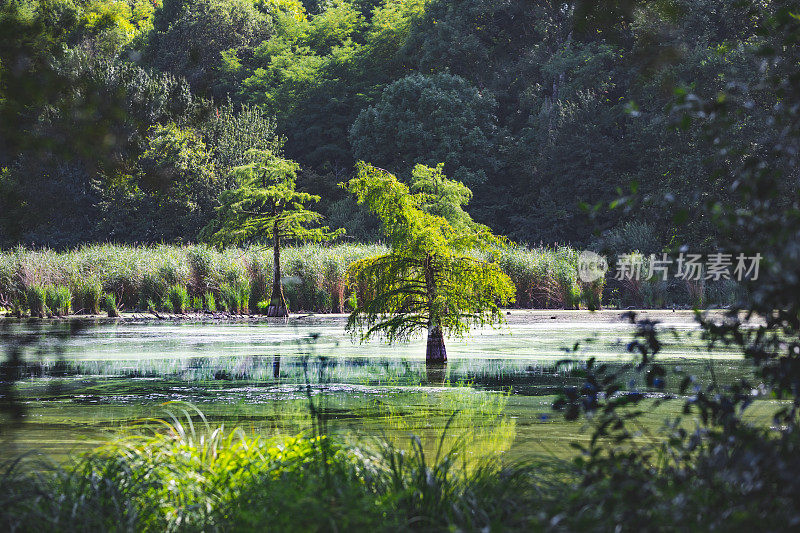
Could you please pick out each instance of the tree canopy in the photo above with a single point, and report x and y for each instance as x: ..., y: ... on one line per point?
x: 541, y: 108
x: 432, y: 279
x: 266, y: 206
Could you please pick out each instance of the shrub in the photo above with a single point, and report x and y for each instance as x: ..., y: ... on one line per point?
x: 152, y: 289
x: 653, y: 293
x: 228, y: 298
x: 36, y: 296
x: 243, y: 289
x: 592, y: 294
x: 547, y: 278
x: 178, y: 298
x: 235, y: 296
x: 201, y: 268
x: 110, y: 304
x: 211, y: 304
x: 59, y: 300
x: 88, y: 296
x: 260, y: 271
x: 629, y: 237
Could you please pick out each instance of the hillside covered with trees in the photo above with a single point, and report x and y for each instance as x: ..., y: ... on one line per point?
x: 121, y: 119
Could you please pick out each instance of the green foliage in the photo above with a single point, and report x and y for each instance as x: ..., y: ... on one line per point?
x: 266, y: 205
x: 201, y: 265
x: 204, y: 40
x: 429, y: 279
x: 175, y: 160
x: 36, y: 298
x: 76, y: 179
x: 110, y: 304
x: 58, y: 300
x: 186, y: 475
x: 88, y: 295
x: 178, y: 171
x: 178, y: 297
x: 442, y: 197
x: 316, y: 276
x: 210, y: 302
x: 548, y: 110
x: 233, y: 132
x: 428, y: 119
x: 235, y: 297
x: 630, y: 237
x: 165, y: 305
x: 113, y: 25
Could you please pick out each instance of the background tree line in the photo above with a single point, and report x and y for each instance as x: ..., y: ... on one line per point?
x: 121, y: 119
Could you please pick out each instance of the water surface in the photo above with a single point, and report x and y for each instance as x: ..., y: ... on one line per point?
x: 84, y: 387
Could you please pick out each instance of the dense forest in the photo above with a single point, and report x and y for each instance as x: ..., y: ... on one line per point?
x: 121, y: 119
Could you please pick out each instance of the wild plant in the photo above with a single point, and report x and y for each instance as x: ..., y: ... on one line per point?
x: 88, y: 296
x: 210, y: 301
x: 178, y: 298
x: 110, y: 304
x: 36, y: 297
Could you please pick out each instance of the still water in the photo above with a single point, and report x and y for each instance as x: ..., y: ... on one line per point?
x: 85, y: 384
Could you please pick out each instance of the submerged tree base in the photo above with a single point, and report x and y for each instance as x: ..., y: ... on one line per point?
x: 277, y: 303
x: 278, y: 311
x: 436, y: 352
x: 435, y: 373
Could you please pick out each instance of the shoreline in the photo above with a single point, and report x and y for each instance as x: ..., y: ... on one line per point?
x: 512, y: 316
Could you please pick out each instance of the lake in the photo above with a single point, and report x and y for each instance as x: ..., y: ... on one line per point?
x: 87, y: 382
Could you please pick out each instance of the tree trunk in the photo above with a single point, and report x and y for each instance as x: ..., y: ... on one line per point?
x: 277, y: 303
x: 436, y: 352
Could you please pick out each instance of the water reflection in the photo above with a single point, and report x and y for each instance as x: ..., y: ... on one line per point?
x: 435, y: 373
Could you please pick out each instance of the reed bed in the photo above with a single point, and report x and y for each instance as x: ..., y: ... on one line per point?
x: 547, y: 278
x: 182, y: 278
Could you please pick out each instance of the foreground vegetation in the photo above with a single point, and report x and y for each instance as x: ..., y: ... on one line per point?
x: 217, y: 480
x: 188, y: 476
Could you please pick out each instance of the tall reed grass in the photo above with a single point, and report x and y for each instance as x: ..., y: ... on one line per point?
x: 547, y: 278
x: 237, y: 279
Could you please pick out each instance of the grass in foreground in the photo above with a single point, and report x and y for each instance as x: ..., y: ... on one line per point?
x: 189, y: 479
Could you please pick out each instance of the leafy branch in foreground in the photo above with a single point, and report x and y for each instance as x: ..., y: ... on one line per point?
x: 429, y: 279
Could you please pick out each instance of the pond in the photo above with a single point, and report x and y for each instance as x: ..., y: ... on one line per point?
x: 88, y: 382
